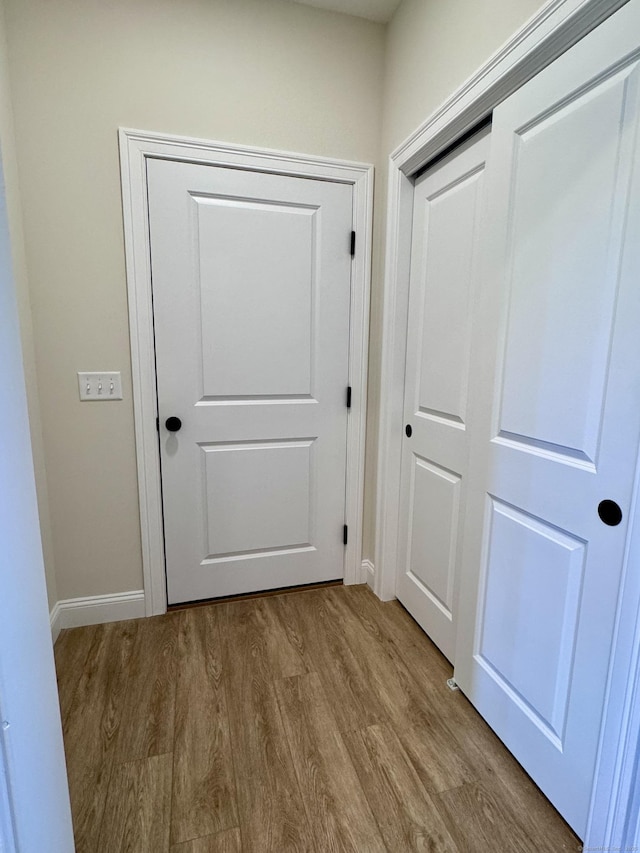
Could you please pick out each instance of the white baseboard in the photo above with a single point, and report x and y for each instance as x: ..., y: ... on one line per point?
x: 74, y: 612
x: 367, y: 572
x: 96, y: 609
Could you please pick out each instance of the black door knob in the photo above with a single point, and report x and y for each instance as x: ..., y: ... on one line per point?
x: 610, y: 513
x: 173, y: 424
x: 408, y: 430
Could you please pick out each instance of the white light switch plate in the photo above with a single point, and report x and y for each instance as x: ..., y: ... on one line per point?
x: 100, y: 386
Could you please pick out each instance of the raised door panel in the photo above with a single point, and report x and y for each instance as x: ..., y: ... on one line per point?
x: 447, y: 277
x: 271, y: 482
x: 257, y: 265
x: 534, y: 575
x: 434, y: 532
x: 562, y: 290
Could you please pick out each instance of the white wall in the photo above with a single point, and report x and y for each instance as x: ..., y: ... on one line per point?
x: 33, y: 774
x: 14, y: 212
x: 273, y: 74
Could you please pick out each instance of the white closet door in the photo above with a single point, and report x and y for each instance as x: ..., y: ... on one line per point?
x: 446, y: 219
x: 557, y: 380
x: 251, y: 288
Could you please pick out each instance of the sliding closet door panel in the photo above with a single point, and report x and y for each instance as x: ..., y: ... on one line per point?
x: 557, y: 393
x: 447, y: 204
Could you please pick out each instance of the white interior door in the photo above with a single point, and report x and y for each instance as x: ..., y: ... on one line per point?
x: 446, y: 219
x: 558, y: 405
x: 251, y: 286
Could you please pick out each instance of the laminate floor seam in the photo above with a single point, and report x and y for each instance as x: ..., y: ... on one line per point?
x: 104, y: 808
x: 175, y: 711
x: 231, y: 745
x: 112, y: 747
x: 454, y: 788
x: 140, y: 760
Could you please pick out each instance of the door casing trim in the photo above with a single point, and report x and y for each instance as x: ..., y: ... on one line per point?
x: 557, y: 26
x: 136, y: 146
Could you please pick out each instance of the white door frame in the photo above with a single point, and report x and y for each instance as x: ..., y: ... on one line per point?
x: 135, y: 147
x: 557, y: 26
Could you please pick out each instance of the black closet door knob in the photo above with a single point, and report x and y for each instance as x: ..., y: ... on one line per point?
x: 408, y: 430
x: 173, y: 424
x: 610, y: 513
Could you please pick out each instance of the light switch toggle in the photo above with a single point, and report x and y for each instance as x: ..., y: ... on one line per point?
x: 103, y: 385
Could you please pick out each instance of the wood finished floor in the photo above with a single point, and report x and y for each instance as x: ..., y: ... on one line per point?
x: 311, y: 721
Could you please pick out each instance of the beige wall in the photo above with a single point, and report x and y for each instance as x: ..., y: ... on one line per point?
x: 273, y: 74
x: 260, y: 72
x: 10, y: 169
x: 432, y: 47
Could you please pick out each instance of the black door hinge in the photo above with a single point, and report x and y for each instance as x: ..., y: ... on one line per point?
x: 348, y: 396
x: 158, y: 424
x: 345, y: 534
x: 353, y: 243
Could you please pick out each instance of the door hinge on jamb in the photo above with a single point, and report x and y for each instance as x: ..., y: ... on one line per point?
x: 345, y: 534
x: 353, y: 243
x: 348, y: 396
x: 158, y: 424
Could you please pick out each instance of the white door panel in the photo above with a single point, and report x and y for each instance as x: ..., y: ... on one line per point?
x: 557, y: 400
x: 251, y: 282
x: 239, y: 358
x: 436, y: 498
x: 434, y: 459
x: 236, y: 475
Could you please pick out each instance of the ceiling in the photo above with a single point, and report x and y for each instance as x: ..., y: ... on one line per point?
x: 375, y: 10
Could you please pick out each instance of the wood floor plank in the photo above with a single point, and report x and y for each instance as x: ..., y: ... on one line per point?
x: 485, y: 754
x: 425, y: 736
x: 272, y: 814
x: 528, y: 805
x: 337, y: 807
x: 413, y: 652
x: 91, y: 728
x: 498, y: 771
x: 137, y: 811
x: 71, y: 650
x: 281, y: 650
x: 489, y: 761
x: 148, y: 720
x: 224, y: 842
x: 328, y: 708
x: 478, y: 821
x: 204, y: 792
x: 407, y: 816
x: 327, y: 651
x: 392, y: 624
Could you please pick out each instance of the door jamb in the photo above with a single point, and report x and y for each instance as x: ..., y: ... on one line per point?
x: 136, y: 147
x: 552, y: 30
